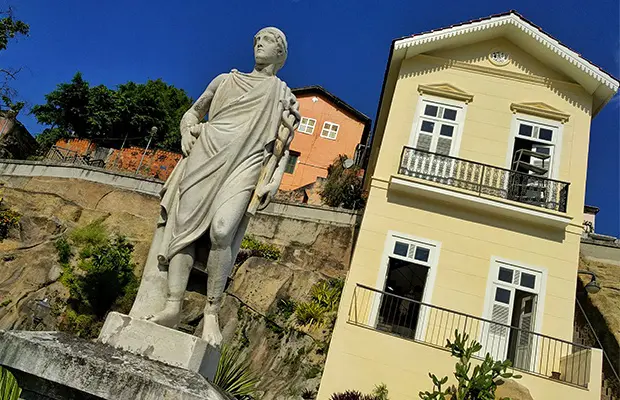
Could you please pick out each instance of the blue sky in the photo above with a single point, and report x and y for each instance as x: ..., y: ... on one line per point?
x: 340, y: 44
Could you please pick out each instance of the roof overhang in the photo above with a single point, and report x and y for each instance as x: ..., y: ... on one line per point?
x: 540, y: 45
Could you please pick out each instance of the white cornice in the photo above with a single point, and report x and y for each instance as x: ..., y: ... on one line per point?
x: 525, y: 27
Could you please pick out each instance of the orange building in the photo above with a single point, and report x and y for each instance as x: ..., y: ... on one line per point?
x: 329, y: 127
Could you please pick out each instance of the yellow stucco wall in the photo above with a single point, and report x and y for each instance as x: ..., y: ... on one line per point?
x: 359, y: 358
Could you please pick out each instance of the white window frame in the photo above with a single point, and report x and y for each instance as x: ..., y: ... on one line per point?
x: 556, y: 142
x: 433, y: 261
x: 540, y: 290
x: 332, y: 124
x: 423, y: 100
x: 306, y: 125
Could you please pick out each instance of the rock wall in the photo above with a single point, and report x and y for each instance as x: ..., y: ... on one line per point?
x: 288, y: 358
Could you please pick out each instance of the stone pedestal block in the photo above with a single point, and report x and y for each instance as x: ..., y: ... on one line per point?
x: 159, y: 343
x: 57, y: 366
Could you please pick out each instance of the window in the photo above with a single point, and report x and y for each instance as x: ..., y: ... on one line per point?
x: 437, y: 127
x: 291, y: 162
x: 330, y: 130
x: 306, y: 125
x: 533, y: 151
x: 406, y: 281
x: 512, y: 303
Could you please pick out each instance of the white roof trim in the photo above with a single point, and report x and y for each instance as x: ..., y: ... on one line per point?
x: 513, y: 19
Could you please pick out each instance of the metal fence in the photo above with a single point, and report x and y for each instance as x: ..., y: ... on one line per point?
x: 528, y: 351
x: 60, y: 154
x: 485, y: 179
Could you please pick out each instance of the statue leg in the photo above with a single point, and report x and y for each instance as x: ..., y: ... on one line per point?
x: 224, y: 229
x: 178, y: 275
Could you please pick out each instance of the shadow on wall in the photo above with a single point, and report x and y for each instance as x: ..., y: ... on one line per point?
x: 428, y: 65
x: 448, y: 209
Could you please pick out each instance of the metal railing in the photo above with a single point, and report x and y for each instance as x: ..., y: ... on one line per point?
x: 484, y: 179
x: 528, y: 351
x: 60, y: 154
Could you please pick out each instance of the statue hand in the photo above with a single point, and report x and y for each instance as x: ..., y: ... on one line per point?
x: 266, y: 193
x: 188, y: 138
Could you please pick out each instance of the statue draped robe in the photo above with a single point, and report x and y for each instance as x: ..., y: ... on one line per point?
x: 225, y: 161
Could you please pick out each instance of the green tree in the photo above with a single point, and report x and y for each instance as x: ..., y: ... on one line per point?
x: 10, y: 28
x: 343, y: 186
x: 477, y: 384
x: 110, y: 116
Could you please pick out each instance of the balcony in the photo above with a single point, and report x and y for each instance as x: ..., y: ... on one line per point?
x: 486, y: 182
x: 530, y: 352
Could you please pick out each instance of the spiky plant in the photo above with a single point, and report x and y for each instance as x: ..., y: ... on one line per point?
x: 234, y: 375
x: 310, y: 313
x: 9, y: 390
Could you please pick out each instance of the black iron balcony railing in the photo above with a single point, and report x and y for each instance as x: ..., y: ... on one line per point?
x: 484, y: 179
x: 530, y: 352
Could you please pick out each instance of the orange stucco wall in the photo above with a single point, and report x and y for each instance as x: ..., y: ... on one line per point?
x: 316, y: 152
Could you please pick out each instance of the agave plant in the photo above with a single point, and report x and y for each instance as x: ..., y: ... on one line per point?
x: 8, y: 386
x: 309, y: 313
x: 234, y: 375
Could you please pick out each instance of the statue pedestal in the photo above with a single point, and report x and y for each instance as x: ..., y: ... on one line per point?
x: 159, y: 343
x: 57, y: 366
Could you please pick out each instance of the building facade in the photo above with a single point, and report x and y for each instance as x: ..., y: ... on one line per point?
x: 329, y: 127
x: 473, y: 222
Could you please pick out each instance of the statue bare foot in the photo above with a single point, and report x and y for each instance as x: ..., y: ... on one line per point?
x: 169, y: 316
x: 211, y: 330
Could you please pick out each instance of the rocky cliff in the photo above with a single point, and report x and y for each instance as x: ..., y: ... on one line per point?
x: 257, y: 315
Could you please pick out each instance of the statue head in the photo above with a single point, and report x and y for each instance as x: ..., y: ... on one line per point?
x: 270, y: 47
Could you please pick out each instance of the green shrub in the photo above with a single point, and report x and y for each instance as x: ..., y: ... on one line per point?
x: 310, y: 313
x: 482, y: 383
x: 9, y: 390
x: 93, y: 234
x: 380, y: 392
x: 343, y: 187
x: 8, y: 219
x: 260, y: 249
x: 64, y: 250
x: 286, y: 308
x: 99, y: 280
x: 327, y: 293
x: 234, y: 375
x: 5, y: 303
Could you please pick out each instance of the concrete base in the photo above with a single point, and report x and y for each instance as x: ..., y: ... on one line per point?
x: 159, y: 343
x: 57, y: 366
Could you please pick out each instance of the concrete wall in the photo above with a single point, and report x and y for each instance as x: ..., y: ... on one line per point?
x: 33, y: 169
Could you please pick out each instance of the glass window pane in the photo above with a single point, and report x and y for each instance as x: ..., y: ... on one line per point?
x: 528, y: 280
x: 525, y: 130
x: 431, y: 110
x: 427, y: 126
x: 424, y: 142
x: 400, y: 249
x: 446, y: 130
x: 545, y: 134
x: 449, y: 114
x: 311, y: 122
x: 528, y: 306
x: 502, y: 295
x: 505, y: 275
x: 422, y: 254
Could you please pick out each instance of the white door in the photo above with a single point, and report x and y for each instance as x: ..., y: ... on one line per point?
x: 496, y: 335
x: 524, y: 340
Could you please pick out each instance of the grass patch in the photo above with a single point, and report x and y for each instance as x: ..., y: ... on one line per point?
x: 260, y: 249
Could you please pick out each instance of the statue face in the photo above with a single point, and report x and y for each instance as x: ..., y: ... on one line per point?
x: 266, y: 49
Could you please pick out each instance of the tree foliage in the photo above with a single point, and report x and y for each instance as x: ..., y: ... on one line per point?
x: 343, y: 186
x: 477, y: 384
x: 10, y: 28
x: 108, y: 116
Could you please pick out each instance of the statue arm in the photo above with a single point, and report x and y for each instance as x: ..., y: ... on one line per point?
x: 190, y: 123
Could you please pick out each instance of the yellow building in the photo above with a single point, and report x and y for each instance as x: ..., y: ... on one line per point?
x: 476, y: 193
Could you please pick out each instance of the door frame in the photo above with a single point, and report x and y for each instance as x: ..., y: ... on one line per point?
x: 495, y: 263
x: 433, y: 261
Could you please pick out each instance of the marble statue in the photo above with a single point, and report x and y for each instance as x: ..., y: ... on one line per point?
x: 232, y: 165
